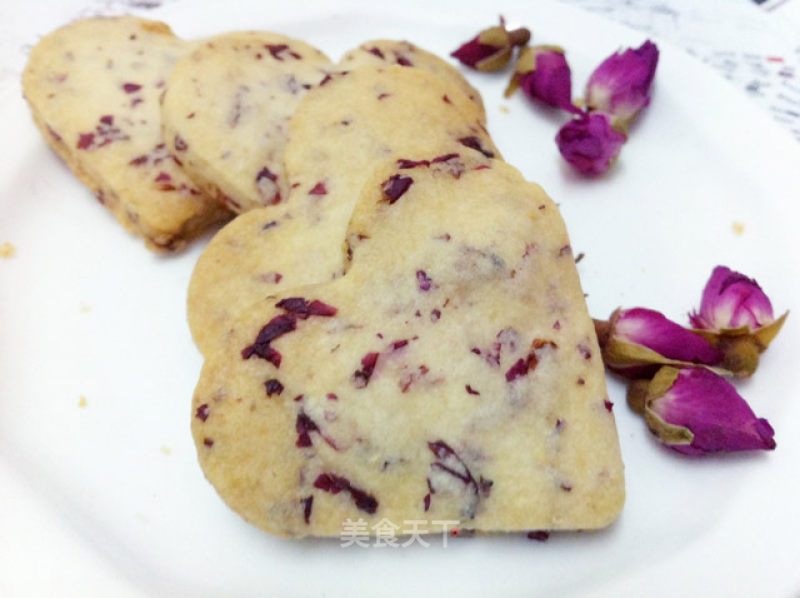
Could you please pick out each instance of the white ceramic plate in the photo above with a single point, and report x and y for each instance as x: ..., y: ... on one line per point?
x: 108, y: 498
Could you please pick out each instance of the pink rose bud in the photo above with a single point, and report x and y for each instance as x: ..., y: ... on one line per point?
x: 543, y: 74
x: 621, y: 85
x: 491, y: 49
x: 736, y: 316
x: 590, y: 143
x: 730, y: 301
x: 694, y: 411
x: 636, y: 341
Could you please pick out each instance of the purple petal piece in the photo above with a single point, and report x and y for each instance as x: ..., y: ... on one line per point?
x: 709, y: 406
x: 732, y: 300
x: 621, y: 85
x: 395, y: 187
x: 653, y: 330
x: 423, y: 281
x: 589, y: 143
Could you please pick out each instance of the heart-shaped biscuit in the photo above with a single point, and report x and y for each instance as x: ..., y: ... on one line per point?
x: 451, y: 378
x: 93, y: 87
x: 340, y: 130
x: 227, y: 109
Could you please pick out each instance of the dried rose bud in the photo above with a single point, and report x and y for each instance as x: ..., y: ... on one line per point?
x: 543, y: 74
x: 731, y: 301
x: 635, y: 341
x: 491, y: 49
x: 589, y: 143
x: 736, y: 316
x: 621, y: 85
x: 694, y: 411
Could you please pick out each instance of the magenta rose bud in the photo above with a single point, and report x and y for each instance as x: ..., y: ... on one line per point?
x: 543, y: 74
x: 634, y: 340
x: 694, y: 411
x: 589, y: 143
x: 730, y: 301
x: 736, y: 316
x: 491, y: 49
x: 621, y: 85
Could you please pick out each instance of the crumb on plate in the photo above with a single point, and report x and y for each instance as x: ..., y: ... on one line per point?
x: 82, y: 402
x: 738, y: 227
x: 7, y: 250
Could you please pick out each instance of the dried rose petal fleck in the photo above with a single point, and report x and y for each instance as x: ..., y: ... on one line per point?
x: 304, y: 425
x: 273, y: 387
x: 471, y: 142
x: 448, y: 466
x: 423, y: 281
x: 202, y: 412
x: 395, y: 187
x: 264, y: 173
x: 302, y: 308
x: 519, y: 369
x: 694, y: 411
x: 319, y: 189
x: 403, y: 163
x: 131, y: 87
x: 450, y: 156
x: 361, y: 377
x: 308, y: 505
x: 589, y: 143
x: 85, y: 140
x: 329, y: 482
x: 277, y: 326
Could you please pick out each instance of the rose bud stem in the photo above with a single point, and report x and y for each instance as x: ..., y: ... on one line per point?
x: 602, y: 329
x: 519, y: 37
x: 637, y: 395
x: 741, y: 354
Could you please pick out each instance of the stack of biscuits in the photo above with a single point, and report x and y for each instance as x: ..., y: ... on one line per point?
x: 392, y: 325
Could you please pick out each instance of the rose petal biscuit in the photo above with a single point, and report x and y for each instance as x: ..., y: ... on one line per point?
x: 93, y: 88
x: 386, y: 51
x: 339, y: 131
x: 450, y: 379
x: 227, y: 108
